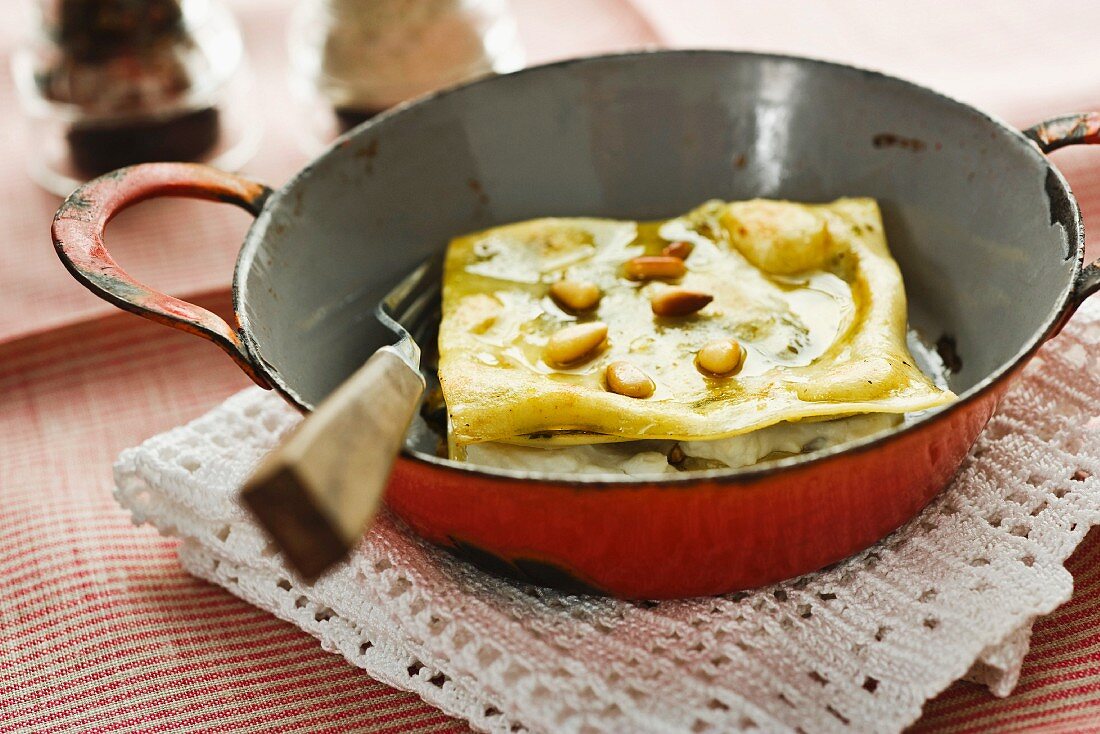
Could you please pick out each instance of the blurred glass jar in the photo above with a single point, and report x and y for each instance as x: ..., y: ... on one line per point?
x: 109, y: 83
x: 352, y: 59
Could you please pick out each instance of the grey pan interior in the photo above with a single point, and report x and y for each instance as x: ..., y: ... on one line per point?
x: 982, y: 226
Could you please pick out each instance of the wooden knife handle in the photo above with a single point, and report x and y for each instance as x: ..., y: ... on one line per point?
x: 318, y: 491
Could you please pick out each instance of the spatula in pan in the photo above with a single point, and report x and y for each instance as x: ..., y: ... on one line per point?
x: 317, y: 492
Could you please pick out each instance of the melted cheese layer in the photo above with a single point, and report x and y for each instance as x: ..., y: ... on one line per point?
x: 645, y: 458
x: 810, y: 291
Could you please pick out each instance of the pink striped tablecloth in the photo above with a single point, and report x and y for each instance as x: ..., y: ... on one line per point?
x: 100, y: 629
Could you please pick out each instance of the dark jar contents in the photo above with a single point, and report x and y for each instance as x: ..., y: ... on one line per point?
x: 109, y: 83
x: 97, y: 148
x: 131, y: 70
x: 349, y: 117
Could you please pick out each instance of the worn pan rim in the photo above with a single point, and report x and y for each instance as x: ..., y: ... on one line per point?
x: 1065, y: 305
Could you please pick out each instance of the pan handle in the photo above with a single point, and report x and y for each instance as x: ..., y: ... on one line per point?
x: 78, y: 239
x: 1080, y: 128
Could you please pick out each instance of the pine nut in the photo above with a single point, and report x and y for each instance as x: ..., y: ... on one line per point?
x: 575, y: 296
x: 575, y: 343
x: 679, y: 249
x: 679, y: 302
x: 626, y: 379
x: 659, y: 267
x: 720, y: 357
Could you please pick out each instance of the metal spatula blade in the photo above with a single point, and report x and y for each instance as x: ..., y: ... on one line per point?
x: 318, y: 491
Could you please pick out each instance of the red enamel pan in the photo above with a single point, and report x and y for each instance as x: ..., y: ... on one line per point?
x: 985, y: 229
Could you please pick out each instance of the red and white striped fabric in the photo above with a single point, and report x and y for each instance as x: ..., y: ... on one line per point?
x: 100, y: 629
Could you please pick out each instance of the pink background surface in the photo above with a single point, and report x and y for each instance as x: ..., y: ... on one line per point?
x: 1002, y: 56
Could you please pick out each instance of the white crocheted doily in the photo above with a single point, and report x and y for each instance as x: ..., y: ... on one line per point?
x: 859, y: 646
